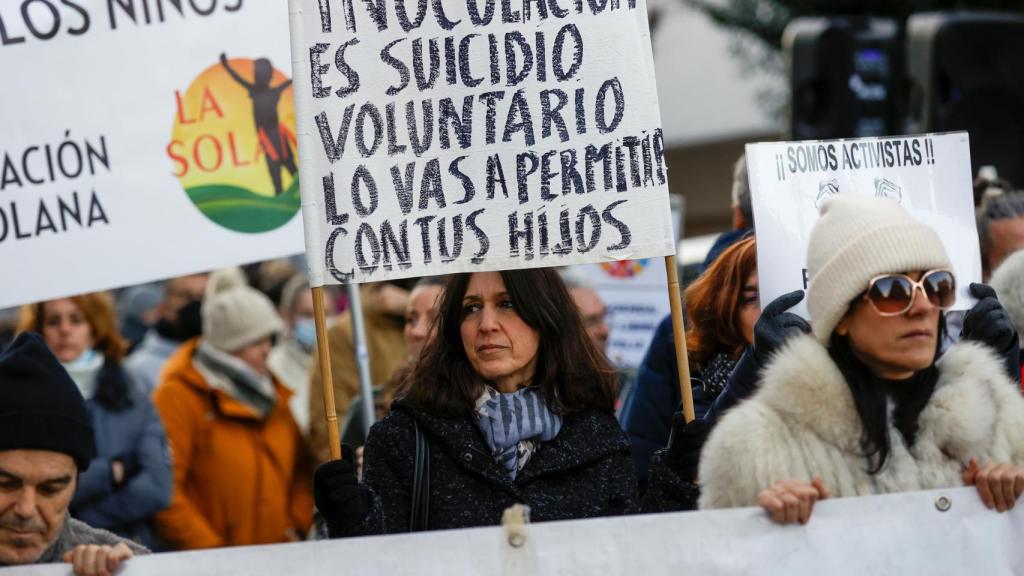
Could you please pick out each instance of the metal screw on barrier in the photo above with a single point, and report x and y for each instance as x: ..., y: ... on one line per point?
x: 516, y: 540
x: 943, y: 503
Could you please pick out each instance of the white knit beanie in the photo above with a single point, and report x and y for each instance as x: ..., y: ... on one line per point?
x: 236, y: 315
x: 1008, y: 282
x: 223, y: 279
x: 855, y: 239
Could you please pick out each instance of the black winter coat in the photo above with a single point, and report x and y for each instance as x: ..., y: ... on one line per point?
x: 584, y: 472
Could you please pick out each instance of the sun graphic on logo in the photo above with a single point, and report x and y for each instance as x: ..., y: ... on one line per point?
x: 233, y: 145
x: 624, y: 268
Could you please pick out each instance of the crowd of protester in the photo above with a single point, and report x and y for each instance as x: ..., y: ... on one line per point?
x: 189, y: 414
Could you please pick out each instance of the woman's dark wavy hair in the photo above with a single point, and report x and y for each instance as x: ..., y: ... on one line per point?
x: 571, y: 372
x: 871, y: 396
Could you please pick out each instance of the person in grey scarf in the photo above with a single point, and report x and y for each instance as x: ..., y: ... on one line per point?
x: 241, y: 470
x: 46, y: 441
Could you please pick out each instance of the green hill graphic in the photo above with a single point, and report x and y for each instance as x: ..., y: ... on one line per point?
x: 240, y: 210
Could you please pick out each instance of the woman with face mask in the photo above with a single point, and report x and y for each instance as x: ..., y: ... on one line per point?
x: 515, y: 404
x: 130, y: 478
x: 292, y: 357
x: 864, y: 406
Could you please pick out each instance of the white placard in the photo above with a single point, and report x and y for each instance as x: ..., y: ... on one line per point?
x: 128, y: 151
x: 440, y: 137
x: 928, y: 174
x: 934, y: 533
x: 634, y: 292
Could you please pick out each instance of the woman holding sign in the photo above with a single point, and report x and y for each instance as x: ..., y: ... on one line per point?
x: 864, y: 406
x: 510, y: 403
x: 728, y: 342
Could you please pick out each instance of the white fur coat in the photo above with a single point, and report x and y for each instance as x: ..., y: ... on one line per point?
x: 802, y: 423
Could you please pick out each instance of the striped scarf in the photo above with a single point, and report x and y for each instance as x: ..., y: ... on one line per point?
x: 513, y: 424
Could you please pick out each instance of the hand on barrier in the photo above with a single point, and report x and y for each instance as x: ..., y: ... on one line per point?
x: 775, y: 325
x: 341, y: 499
x: 684, y: 445
x: 93, y: 560
x: 790, y: 501
x: 988, y: 322
x: 999, y: 484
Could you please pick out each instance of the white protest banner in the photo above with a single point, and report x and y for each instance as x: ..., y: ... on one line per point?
x: 439, y: 137
x: 634, y: 293
x: 934, y: 533
x: 131, y: 152
x: 928, y: 174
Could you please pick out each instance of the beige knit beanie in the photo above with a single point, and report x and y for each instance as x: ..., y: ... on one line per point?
x: 236, y: 315
x: 855, y: 239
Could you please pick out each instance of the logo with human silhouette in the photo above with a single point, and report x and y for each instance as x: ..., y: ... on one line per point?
x: 233, y: 145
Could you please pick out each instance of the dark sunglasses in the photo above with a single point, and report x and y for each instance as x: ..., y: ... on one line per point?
x: 893, y: 294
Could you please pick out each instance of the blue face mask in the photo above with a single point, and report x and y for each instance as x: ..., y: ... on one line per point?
x: 87, y: 357
x: 304, y: 333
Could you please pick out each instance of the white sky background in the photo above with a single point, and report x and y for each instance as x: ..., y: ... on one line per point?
x: 702, y: 90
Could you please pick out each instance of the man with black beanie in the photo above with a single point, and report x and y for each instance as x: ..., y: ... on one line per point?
x: 46, y: 440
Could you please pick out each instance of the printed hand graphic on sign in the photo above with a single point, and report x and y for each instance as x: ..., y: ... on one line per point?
x: 825, y: 190
x: 885, y: 188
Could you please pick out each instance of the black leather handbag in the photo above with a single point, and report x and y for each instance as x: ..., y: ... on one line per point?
x: 420, y: 517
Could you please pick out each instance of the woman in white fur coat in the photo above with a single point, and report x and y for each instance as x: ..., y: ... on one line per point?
x: 862, y: 407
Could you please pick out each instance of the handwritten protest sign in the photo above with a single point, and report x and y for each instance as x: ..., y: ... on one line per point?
x: 440, y: 137
x: 131, y: 151
x: 929, y: 175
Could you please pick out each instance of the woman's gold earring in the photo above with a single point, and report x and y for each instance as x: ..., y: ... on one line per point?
x: 842, y: 329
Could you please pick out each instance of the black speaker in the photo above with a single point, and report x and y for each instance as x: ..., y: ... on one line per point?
x: 966, y: 72
x: 845, y: 77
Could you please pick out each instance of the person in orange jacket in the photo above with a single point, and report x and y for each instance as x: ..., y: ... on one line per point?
x: 242, y: 474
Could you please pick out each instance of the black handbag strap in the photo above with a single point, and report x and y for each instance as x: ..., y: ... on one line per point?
x: 420, y: 515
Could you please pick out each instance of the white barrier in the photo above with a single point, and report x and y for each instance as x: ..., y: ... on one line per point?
x: 893, y: 534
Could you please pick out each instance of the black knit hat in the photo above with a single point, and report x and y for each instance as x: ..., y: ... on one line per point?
x: 40, y: 405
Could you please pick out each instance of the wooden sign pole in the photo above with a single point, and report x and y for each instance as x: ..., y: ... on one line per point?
x: 326, y: 376
x: 679, y: 335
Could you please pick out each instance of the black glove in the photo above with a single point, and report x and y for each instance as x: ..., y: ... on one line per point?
x: 775, y: 325
x: 684, y: 445
x: 341, y: 499
x: 988, y: 321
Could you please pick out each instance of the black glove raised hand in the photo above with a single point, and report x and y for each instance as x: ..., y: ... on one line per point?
x: 341, y: 499
x: 685, y: 444
x: 988, y: 321
x: 775, y: 325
